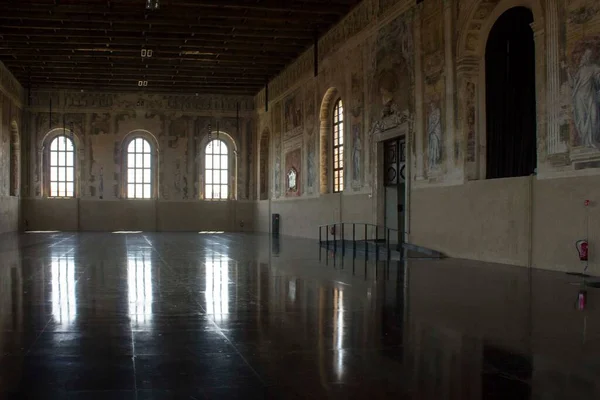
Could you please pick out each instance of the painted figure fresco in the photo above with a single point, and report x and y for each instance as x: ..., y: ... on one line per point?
x: 434, y: 133
x: 293, y: 114
x: 356, y: 153
x: 101, y: 185
x: 311, y: 167
x: 585, y: 84
x: 277, y: 176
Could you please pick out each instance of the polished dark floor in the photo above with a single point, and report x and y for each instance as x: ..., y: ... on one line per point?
x: 241, y: 316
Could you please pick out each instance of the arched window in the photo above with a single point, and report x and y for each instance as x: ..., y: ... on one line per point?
x: 62, y: 167
x: 338, y: 147
x: 216, y: 184
x: 139, y: 169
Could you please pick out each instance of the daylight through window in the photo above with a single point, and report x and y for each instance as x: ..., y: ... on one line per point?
x: 62, y: 167
x: 338, y: 147
x: 216, y: 171
x: 139, y: 169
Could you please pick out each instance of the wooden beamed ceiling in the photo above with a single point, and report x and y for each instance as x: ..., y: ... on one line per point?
x: 207, y: 46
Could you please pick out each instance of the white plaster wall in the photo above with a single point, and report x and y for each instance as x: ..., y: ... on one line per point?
x: 480, y: 220
x: 11, y: 96
x: 204, y: 216
x: 302, y: 217
x: 9, y: 214
x: 559, y: 220
x: 262, y: 217
x: 143, y: 215
x: 490, y: 221
x: 50, y: 214
x: 117, y: 215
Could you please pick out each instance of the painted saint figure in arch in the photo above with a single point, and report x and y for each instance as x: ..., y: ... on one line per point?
x: 585, y: 86
x: 434, y: 132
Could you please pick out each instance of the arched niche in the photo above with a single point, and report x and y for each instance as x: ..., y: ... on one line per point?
x: 471, y: 76
x: 510, y: 96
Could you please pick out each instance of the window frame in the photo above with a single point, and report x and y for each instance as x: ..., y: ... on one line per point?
x: 219, y: 156
x: 49, y: 166
x: 337, y: 146
x: 127, y: 168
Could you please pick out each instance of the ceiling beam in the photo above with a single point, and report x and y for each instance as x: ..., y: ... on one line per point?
x: 225, y: 6
x: 17, y: 49
x: 238, y: 31
x: 60, y: 42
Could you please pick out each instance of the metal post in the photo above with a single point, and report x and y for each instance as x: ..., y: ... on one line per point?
x: 376, y: 244
x: 387, y: 242
x: 334, y: 238
x: 343, y: 241
x: 366, y: 244
x: 320, y: 241
x: 327, y: 236
x: 354, y: 240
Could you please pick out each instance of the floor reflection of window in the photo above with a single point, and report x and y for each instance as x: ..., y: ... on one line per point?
x: 139, y: 284
x: 217, y: 287
x: 338, y: 330
x: 64, y: 302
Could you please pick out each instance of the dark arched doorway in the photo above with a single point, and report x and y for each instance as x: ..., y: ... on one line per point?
x: 510, y: 96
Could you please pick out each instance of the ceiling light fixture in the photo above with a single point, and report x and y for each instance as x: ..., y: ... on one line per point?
x: 152, y: 4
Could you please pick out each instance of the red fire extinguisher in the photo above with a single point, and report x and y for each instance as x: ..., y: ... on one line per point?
x: 582, y: 249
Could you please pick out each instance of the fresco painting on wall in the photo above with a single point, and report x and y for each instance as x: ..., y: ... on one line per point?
x: 433, y: 76
x: 311, y: 107
x: 100, y: 124
x: 101, y: 184
x: 277, y: 173
x: 584, y: 80
x: 277, y: 118
x: 293, y: 116
x: 293, y: 163
x: 357, y: 146
x: 434, y: 134
x: 583, y: 13
x: 101, y: 133
x: 470, y: 106
x: 277, y: 128
x: 356, y: 111
x: 310, y: 127
x: 393, y: 75
x: 263, y: 165
x: 177, y: 177
x: 357, y: 92
x: 311, y: 169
